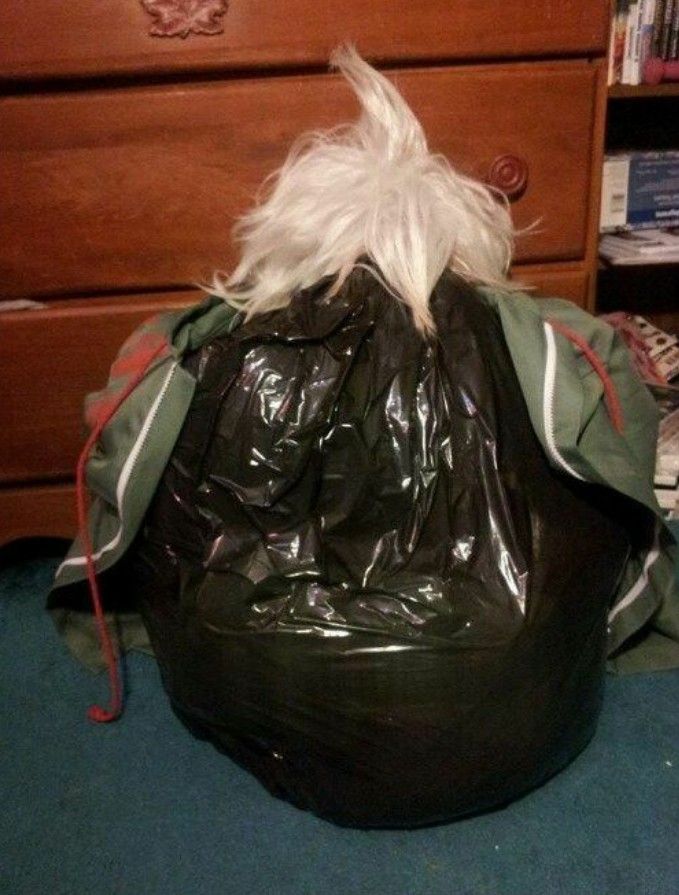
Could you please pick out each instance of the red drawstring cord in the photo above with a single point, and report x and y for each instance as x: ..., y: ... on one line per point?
x: 96, y: 712
x: 610, y: 394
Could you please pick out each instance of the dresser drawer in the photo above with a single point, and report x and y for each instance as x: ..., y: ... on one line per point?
x: 50, y: 359
x: 37, y: 511
x: 569, y: 281
x: 45, y: 38
x: 139, y: 187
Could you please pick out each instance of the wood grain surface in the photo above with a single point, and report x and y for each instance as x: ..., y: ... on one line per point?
x: 50, y: 359
x: 139, y: 187
x: 47, y: 38
x: 40, y: 511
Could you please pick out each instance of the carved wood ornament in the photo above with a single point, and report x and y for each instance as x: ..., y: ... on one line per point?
x: 180, y: 18
x: 509, y: 173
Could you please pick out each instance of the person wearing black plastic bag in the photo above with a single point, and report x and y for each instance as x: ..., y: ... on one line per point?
x: 390, y: 518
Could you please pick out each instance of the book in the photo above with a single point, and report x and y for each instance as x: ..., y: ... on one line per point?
x: 646, y: 247
x: 640, y: 190
x: 644, y: 244
x: 619, y: 25
x: 611, y: 50
x: 641, y: 30
x: 635, y: 65
x: 647, y: 25
x: 616, y: 260
x: 630, y: 32
x: 658, y: 19
x: 666, y: 32
x: 673, y: 52
x: 661, y: 348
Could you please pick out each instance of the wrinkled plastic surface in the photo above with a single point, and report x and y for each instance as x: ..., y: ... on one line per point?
x: 361, y: 577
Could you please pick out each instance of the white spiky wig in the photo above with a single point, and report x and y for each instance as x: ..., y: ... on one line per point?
x: 368, y: 189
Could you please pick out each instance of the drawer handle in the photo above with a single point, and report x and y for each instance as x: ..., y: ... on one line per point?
x: 179, y: 18
x: 509, y: 173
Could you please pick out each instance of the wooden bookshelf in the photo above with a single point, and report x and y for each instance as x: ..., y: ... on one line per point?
x: 651, y: 290
x: 643, y: 91
x: 644, y: 117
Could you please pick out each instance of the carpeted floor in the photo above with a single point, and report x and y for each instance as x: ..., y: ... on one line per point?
x: 141, y: 808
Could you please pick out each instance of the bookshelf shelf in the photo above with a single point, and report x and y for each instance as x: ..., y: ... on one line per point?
x: 642, y: 123
x: 647, y: 289
x: 642, y: 91
x: 669, y: 267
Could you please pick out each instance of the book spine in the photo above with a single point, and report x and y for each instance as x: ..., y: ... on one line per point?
x: 630, y: 29
x: 674, y: 34
x: 640, y: 190
x: 653, y: 193
x: 666, y: 32
x: 620, y: 21
x: 647, y: 22
x: 611, y: 54
x: 614, y: 192
x: 635, y: 71
x: 658, y: 20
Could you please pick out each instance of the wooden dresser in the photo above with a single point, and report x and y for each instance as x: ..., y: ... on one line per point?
x: 133, y: 132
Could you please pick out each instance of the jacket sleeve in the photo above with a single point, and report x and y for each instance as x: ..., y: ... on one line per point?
x: 125, y: 466
x: 570, y: 415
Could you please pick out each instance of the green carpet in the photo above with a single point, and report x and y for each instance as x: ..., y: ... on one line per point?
x: 141, y: 808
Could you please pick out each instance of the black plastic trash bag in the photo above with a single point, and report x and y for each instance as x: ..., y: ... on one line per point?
x: 361, y: 577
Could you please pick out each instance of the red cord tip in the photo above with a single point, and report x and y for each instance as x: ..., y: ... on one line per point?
x: 96, y: 713
x: 102, y: 716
